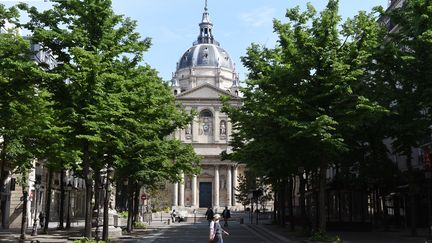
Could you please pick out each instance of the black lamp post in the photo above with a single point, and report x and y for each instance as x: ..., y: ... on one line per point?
x: 35, y: 219
x: 106, y: 203
x: 69, y: 188
x: 24, y: 212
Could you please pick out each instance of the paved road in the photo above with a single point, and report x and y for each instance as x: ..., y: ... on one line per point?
x: 189, y: 232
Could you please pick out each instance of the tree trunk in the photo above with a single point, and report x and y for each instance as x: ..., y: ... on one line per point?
x: 412, y: 195
x: 24, y: 207
x: 276, y: 205
x: 385, y: 214
x: 302, y: 203
x: 3, y: 178
x: 130, y: 208
x: 282, y: 198
x: 105, y: 212
x: 62, y: 198
x: 24, y: 215
x: 48, y: 201
x: 89, y: 194
x: 290, y: 202
x: 322, y: 223
x: 136, y: 203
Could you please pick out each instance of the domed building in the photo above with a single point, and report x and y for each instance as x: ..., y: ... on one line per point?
x: 205, y: 72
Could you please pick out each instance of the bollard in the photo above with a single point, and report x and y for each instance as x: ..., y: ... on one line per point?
x: 169, y: 221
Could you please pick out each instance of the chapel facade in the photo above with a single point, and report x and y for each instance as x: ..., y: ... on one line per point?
x: 203, y: 74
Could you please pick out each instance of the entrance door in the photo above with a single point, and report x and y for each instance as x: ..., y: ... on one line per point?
x: 205, y: 194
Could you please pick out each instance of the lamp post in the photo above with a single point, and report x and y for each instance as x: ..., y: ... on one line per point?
x: 69, y: 188
x: 24, y: 212
x: 106, y: 203
x: 35, y: 219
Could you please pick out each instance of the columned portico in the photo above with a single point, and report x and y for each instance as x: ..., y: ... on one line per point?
x: 194, y: 191
x: 235, y: 174
x: 216, y: 186
x: 182, y: 190
x: 175, y: 194
x: 229, y: 186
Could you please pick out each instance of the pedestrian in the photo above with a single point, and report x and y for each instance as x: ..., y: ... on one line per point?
x: 173, y: 215
x: 226, y: 214
x: 209, y: 214
x: 216, y: 230
x: 41, y: 219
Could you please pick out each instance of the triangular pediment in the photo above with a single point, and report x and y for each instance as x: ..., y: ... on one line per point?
x: 205, y: 174
x: 205, y: 91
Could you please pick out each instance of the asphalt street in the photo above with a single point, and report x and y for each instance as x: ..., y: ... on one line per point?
x: 189, y: 232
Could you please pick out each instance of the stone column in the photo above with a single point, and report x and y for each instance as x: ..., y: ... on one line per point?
x: 194, y: 191
x: 234, y: 184
x: 175, y: 196
x: 216, y: 186
x: 182, y: 190
x: 229, y: 186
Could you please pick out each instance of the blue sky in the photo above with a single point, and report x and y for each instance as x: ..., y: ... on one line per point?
x: 173, y: 24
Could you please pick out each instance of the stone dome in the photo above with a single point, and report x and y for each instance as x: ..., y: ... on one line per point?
x: 204, y: 63
x: 209, y: 55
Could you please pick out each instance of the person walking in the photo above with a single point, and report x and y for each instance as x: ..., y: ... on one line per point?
x: 209, y: 214
x: 226, y: 214
x: 216, y: 230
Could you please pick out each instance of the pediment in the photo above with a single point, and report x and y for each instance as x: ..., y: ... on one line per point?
x: 205, y: 91
x: 207, y: 175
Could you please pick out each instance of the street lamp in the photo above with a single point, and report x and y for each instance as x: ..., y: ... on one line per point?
x: 69, y: 188
x: 24, y: 212
x: 34, y: 231
x: 109, y: 172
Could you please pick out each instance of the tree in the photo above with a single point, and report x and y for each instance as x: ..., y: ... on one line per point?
x: 88, y: 40
x: 299, y: 103
x: 120, y: 114
x: 403, y: 58
x: 25, y: 105
x: 243, y: 190
x: 145, y: 153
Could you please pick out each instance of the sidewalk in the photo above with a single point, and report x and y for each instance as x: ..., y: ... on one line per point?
x: 285, y: 235
x: 75, y: 232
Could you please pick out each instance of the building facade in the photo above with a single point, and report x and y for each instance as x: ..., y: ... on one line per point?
x: 204, y: 73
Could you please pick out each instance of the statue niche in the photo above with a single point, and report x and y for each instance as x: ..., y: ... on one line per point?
x: 206, y: 123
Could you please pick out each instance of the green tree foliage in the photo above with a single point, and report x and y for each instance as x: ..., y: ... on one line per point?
x: 300, y: 104
x: 243, y: 190
x: 119, y: 114
x: 404, y: 61
x: 26, y: 107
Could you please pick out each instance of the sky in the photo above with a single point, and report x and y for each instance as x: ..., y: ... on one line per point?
x: 173, y: 24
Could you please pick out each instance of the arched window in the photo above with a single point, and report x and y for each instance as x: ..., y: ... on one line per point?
x: 206, y: 122
x: 175, y: 92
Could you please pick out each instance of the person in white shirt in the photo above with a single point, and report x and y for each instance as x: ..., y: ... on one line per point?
x: 216, y: 230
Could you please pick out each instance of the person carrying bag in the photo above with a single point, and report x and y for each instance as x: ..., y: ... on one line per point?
x: 216, y: 230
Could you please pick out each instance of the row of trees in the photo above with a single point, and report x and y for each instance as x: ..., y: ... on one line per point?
x: 329, y: 93
x: 98, y: 107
